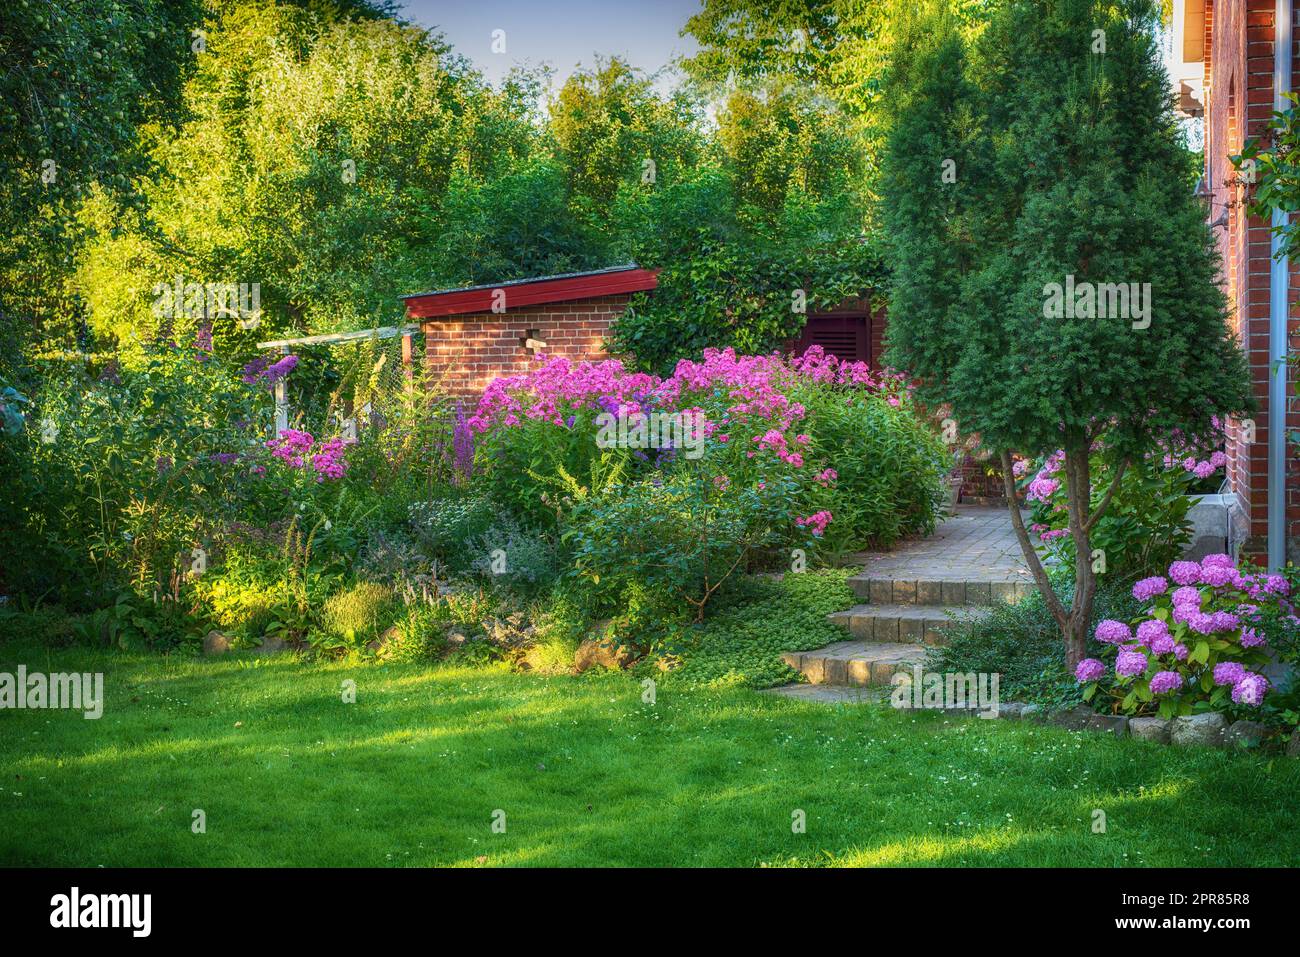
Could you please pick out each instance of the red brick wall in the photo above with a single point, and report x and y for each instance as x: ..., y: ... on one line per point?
x: 1239, y: 94
x: 465, y: 353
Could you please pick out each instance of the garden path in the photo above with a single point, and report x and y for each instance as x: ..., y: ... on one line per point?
x: 909, y: 593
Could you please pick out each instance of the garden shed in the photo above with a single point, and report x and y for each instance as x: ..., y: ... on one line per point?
x: 475, y: 334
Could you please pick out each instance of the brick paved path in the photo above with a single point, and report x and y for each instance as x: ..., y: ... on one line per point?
x: 976, y: 544
x: 910, y: 595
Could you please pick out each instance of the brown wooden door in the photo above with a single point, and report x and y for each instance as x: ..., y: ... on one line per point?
x: 846, y: 337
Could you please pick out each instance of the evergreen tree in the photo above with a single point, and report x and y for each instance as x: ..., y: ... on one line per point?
x: 1066, y: 191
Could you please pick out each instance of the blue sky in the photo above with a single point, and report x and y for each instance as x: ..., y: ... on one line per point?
x: 561, y: 33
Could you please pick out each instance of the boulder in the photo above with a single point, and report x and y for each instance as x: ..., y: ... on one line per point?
x: 215, y: 643
x: 1116, y: 724
x: 379, y: 646
x: 1245, y: 734
x: 1075, y: 719
x: 1032, y: 712
x: 1011, y: 709
x: 601, y: 653
x: 1150, y: 729
x: 271, y: 645
x: 1203, y: 729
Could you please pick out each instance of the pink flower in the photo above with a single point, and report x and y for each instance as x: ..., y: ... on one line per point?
x: 815, y: 522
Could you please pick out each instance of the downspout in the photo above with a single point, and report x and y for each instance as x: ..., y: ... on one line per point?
x: 1278, y: 313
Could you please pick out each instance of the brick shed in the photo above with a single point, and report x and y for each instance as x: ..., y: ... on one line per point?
x: 476, y: 334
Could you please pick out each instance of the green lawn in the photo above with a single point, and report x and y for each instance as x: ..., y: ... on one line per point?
x: 411, y: 774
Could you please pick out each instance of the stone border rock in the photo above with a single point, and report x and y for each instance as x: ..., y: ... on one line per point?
x: 1210, y: 729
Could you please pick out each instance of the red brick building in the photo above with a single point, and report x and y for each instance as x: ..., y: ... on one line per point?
x: 476, y: 334
x: 473, y: 335
x: 1232, y: 62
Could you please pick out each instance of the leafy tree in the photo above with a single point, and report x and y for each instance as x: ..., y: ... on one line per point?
x: 610, y: 127
x: 314, y: 161
x: 1066, y: 162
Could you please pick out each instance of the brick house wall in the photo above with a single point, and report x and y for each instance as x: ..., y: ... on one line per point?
x: 466, y: 352
x: 1239, y: 101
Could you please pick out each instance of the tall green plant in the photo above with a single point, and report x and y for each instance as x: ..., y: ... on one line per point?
x: 1044, y: 156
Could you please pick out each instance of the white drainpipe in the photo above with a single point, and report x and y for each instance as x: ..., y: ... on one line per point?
x: 1279, y: 310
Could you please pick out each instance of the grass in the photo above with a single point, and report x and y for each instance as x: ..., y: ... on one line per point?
x: 587, y: 774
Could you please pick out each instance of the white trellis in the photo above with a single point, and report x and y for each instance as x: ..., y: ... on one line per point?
x: 283, y: 346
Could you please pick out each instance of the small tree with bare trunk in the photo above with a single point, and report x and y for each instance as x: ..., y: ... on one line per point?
x: 1054, y: 277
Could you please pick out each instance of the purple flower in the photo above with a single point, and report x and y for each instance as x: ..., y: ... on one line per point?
x: 1180, y: 651
x: 1089, y: 669
x: 1130, y: 663
x: 1162, y: 645
x: 1187, y: 595
x: 1220, y: 559
x: 1166, y: 681
x: 1185, y: 613
x: 462, y: 447
x: 1185, y: 573
x: 1228, y: 672
x: 1251, y: 638
x: 1201, y: 623
x: 1277, y: 585
x: 1112, y: 632
x: 1149, y: 631
x: 1225, y: 621
x: 1250, y: 689
x: 1148, y: 588
x: 1216, y: 575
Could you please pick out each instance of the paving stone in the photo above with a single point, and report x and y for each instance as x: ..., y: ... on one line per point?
x: 953, y: 593
x: 829, y: 694
x: 904, y: 592
x: 929, y: 592
x: 882, y: 591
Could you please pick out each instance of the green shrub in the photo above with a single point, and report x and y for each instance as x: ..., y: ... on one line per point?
x: 358, y: 613
x: 1022, y: 642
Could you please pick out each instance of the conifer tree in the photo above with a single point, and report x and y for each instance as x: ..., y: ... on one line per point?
x: 1054, y: 276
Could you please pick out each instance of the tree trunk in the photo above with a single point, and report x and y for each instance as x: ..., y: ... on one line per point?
x: 1078, y: 480
x: 1035, y: 564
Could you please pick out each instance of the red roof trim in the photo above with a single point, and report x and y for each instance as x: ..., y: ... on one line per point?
x: 459, y: 302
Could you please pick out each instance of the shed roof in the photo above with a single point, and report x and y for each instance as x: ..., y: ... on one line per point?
x: 530, y: 292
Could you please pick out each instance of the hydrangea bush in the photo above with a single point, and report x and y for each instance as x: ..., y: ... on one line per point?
x: 1198, y: 646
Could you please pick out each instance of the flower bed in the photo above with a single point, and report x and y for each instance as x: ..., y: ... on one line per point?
x: 1198, y: 647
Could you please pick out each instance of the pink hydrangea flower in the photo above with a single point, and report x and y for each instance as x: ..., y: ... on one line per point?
x: 1163, y: 682
x: 1089, y: 669
x: 1112, y: 632
x: 1130, y: 663
x: 1148, y: 588
x: 1250, y: 689
x: 1185, y: 573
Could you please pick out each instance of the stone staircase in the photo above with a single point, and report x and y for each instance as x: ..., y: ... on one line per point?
x: 911, y: 594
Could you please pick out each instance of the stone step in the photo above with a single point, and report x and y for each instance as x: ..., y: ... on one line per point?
x: 855, y: 662
x: 938, y: 591
x: 910, y: 624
